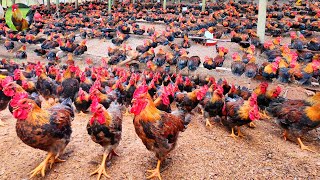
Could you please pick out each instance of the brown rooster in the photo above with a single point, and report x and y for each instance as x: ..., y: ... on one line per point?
x: 157, y: 129
x: 105, y: 128
x: 296, y: 117
x: 238, y: 112
x: 46, y: 130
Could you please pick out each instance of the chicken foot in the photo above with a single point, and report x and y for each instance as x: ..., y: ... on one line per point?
x: 102, y: 168
x: 304, y: 147
x: 56, y: 159
x: 232, y: 134
x: 2, y: 124
x: 285, y: 135
x: 127, y: 113
x: 240, y: 133
x: 252, y: 125
x: 42, y: 166
x: 208, y: 122
x: 155, y: 172
x: 81, y: 114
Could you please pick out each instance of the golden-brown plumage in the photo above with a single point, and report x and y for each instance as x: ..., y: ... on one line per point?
x: 46, y: 130
x: 158, y: 130
x: 296, y: 117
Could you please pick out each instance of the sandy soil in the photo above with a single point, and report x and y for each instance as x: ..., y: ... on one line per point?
x: 201, y: 153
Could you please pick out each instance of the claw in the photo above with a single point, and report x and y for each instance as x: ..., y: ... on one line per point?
x: 240, y: 133
x: 232, y: 134
x: 102, y: 168
x: 155, y: 172
x: 42, y: 166
x: 304, y: 147
x: 208, y: 123
x: 2, y: 124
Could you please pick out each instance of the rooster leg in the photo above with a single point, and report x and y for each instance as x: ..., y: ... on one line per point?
x: 81, y: 114
x: 102, y: 168
x: 42, y: 167
x: 112, y: 153
x: 2, y: 123
x: 127, y: 112
x: 208, y: 122
x: 55, y: 159
x: 240, y: 133
x: 252, y: 125
x: 285, y: 135
x: 155, y: 172
x: 304, y: 147
x: 232, y: 134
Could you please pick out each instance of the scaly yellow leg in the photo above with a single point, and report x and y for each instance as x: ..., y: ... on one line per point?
x: 127, y: 112
x: 55, y: 160
x: 81, y: 114
x: 155, y: 172
x: 208, y: 122
x: 42, y: 166
x: 285, y: 135
x: 240, y: 133
x: 2, y: 124
x: 304, y: 147
x: 252, y: 125
x: 102, y: 168
x: 232, y: 134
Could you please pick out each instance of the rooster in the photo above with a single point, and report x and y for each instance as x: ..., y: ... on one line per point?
x: 53, y: 129
x: 212, y: 104
x: 296, y: 117
x: 70, y: 84
x: 82, y: 101
x: 9, y: 45
x: 251, y: 67
x: 18, y: 21
x: 21, y: 53
x: 157, y: 129
x: 209, y: 63
x: 237, y: 67
x: 4, y: 99
x: 188, y: 101
x: 105, y: 128
x: 238, y: 112
x: 81, y: 48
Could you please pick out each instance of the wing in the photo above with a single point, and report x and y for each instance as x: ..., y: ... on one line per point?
x: 159, y: 136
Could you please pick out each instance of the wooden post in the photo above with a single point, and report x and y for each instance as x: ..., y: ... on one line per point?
x: 203, y: 5
x: 262, y: 19
x: 109, y: 6
x: 77, y: 4
x: 48, y: 4
x: 58, y: 7
x: 164, y: 5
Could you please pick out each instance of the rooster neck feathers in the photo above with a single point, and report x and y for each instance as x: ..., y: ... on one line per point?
x: 150, y: 112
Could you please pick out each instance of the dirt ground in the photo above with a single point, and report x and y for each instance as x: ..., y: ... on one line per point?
x: 201, y: 153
